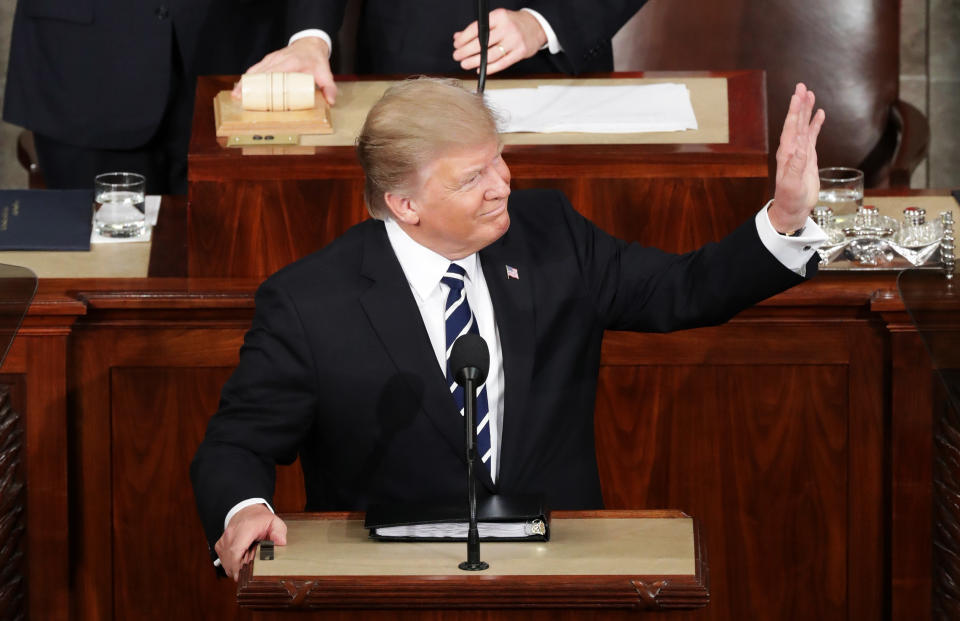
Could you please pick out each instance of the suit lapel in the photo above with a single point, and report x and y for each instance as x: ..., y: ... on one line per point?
x: 392, y: 311
x: 512, y: 297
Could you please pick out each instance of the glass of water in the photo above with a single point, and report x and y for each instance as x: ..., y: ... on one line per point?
x: 841, y: 189
x: 118, y: 207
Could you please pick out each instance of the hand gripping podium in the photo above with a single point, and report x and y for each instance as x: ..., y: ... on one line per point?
x: 614, y: 561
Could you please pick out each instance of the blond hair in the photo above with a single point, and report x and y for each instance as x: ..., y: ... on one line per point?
x: 413, y: 123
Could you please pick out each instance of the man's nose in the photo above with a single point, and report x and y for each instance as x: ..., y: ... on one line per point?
x: 501, y: 185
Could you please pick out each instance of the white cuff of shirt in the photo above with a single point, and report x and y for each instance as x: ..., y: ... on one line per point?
x: 240, y: 505
x: 243, y: 504
x: 313, y: 32
x: 793, y: 252
x: 553, y: 43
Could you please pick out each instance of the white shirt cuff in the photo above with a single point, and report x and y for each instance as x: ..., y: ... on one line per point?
x: 553, y: 43
x: 237, y: 507
x: 793, y: 252
x: 243, y: 504
x: 313, y: 32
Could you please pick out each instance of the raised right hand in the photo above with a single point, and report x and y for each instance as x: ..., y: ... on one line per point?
x: 797, y: 178
x: 250, y: 524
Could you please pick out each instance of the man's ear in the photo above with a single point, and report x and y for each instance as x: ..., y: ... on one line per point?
x: 401, y: 208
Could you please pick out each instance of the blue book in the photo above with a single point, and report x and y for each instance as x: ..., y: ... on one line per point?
x: 45, y: 219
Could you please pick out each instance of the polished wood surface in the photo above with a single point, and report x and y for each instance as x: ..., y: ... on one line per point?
x: 554, y: 574
x: 249, y: 215
x: 911, y: 461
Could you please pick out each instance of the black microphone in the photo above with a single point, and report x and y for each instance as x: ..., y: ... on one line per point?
x: 469, y: 363
x: 470, y: 358
x: 483, y: 36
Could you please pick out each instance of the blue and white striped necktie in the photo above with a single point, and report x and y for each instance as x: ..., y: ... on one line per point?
x: 459, y: 320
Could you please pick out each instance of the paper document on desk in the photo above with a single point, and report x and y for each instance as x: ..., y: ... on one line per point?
x: 594, y: 109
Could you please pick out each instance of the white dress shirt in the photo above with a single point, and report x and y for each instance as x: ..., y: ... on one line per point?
x: 424, y: 268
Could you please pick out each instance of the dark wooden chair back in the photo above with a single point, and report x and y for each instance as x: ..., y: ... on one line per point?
x: 847, y: 51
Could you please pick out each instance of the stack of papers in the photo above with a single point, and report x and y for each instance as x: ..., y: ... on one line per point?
x: 594, y: 109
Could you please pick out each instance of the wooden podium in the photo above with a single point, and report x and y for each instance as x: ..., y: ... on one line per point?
x: 253, y: 211
x: 617, y: 561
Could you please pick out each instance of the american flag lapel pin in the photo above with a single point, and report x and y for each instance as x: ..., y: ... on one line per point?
x: 512, y: 273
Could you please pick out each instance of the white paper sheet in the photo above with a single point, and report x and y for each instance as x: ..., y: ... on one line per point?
x: 594, y: 109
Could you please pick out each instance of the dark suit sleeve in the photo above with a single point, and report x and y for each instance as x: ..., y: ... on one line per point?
x: 646, y: 289
x: 584, y: 29
x: 266, y: 408
x: 326, y: 15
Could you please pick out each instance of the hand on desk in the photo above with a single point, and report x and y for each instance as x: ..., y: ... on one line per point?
x: 306, y: 55
x: 798, y: 181
x: 514, y: 36
x: 250, y: 524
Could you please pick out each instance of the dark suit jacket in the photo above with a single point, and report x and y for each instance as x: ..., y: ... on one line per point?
x: 416, y: 36
x: 338, y: 368
x: 98, y: 73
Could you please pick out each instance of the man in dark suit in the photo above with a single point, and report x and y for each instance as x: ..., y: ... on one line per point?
x: 440, y: 36
x: 345, y: 363
x: 109, y: 84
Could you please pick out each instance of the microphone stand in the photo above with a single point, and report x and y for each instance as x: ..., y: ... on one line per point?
x: 473, y: 562
x: 483, y: 36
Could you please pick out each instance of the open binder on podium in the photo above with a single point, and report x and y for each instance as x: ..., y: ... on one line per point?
x: 500, y: 518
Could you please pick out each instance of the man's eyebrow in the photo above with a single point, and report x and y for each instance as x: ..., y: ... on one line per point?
x: 469, y: 174
x: 473, y: 170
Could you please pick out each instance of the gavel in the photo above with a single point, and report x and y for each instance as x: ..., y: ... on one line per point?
x: 277, y: 91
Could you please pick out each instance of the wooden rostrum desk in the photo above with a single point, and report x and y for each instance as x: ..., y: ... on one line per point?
x: 615, y: 561
x: 250, y: 214
x: 799, y: 434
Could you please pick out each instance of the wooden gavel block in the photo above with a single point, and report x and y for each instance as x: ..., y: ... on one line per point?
x: 275, y: 109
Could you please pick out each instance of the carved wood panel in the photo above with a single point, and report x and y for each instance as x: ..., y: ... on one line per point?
x: 12, y: 512
x: 946, y: 497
